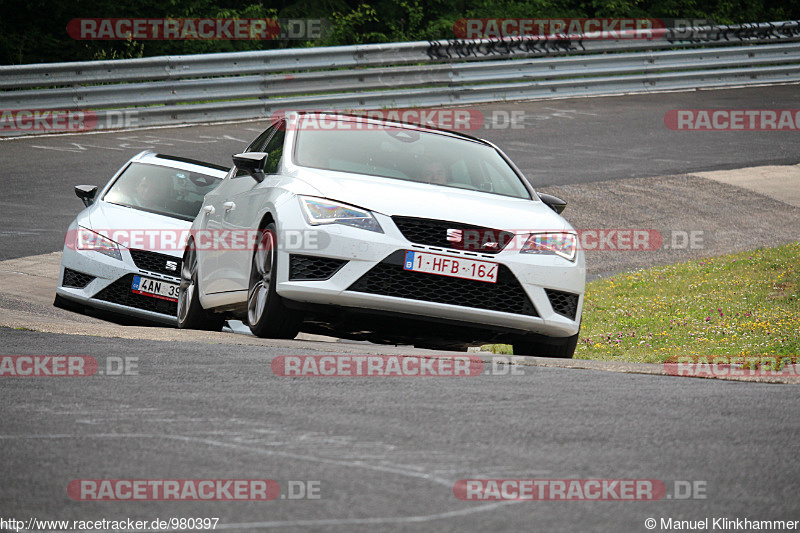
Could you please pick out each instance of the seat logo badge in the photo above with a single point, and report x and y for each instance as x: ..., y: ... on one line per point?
x: 172, y: 265
x: 455, y: 235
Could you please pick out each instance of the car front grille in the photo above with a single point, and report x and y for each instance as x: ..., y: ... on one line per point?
x: 313, y: 268
x: 453, y: 235
x: 564, y: 303
x: 78, y: 280
x: 120, y: 292
x: 388, y: 278
x: 156, y: 262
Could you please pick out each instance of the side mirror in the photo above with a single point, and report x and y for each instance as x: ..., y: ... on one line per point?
x: 86, y: 193
x: 554, y: 202
x: 252, y: 163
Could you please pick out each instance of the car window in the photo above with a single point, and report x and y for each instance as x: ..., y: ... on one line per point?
x: 408, y: 154
x: 261, y: 140
x: 261, y: 144
x: 275, y: 150
x: 163, y: 190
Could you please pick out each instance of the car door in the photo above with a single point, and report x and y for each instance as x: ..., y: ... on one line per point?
x: 242, y: 211
x: 218, y: 257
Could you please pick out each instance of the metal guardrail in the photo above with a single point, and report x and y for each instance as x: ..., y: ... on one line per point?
x: 215, y: 87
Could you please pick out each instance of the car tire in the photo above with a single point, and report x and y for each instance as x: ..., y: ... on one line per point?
x: 545, y: 349
x: 191, y: 314
x: 267, y: 314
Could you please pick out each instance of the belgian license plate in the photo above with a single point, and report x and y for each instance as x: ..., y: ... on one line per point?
x: 155, y: 288
x: 446, y: 265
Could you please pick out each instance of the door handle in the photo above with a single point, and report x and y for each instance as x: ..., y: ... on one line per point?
x: 229, y: 206
x: 209, y: 210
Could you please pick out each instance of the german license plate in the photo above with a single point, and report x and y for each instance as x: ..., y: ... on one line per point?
x: 155, y: 288
x: 455, y: 267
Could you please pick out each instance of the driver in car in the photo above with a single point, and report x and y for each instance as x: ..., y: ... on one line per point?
x: 434, y: 172
x: 151, y: 193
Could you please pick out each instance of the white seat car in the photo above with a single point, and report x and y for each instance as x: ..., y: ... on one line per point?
x: 388, y: 232
x: 122, y: 253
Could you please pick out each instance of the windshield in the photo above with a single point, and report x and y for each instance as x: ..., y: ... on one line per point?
x: 406, y: 154
x: 166, y: 191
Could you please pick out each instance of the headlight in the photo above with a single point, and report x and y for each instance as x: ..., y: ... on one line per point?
x: 89, y: 240
x: 561, y: 244
x: 318, y: 211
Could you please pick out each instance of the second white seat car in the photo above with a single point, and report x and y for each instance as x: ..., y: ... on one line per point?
x: 122, y: 254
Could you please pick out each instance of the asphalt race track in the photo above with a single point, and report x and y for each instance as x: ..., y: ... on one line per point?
x: 387, y: 451
x: 383, y: 454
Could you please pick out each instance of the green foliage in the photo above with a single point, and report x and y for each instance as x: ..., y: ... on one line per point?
x: 738, y: 304
x: 35, y: 31
x: 125, y: 50
x: 409, y: 25
x: 355, y: 27
x: 530, y: 9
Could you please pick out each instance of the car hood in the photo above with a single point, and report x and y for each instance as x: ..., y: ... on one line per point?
x: 132, y: 228
x: 106, y: 216
x: 393, y: 197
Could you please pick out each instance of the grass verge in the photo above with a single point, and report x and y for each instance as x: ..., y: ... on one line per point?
x: 739, y: 304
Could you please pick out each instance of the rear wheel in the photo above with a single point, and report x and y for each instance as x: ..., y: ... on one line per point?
x: 191, y: 314
x: 538, y: 348
x: 267, y: 314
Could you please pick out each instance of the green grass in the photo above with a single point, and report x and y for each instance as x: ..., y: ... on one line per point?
x: 740, y: 304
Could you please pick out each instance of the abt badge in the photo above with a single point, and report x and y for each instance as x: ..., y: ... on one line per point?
x: 172, y: 266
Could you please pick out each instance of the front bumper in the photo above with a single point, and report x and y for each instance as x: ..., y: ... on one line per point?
x: 95, y: 280
x: 544, y: 281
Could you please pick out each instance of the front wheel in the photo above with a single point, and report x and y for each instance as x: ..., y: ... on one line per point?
x: 267, y: 314
x: 191, y: 314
